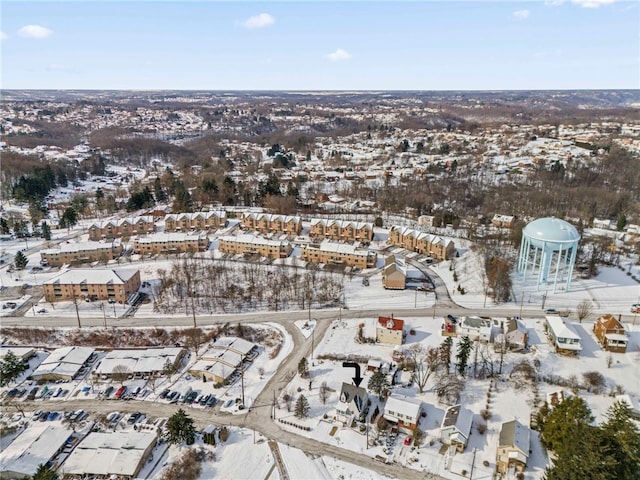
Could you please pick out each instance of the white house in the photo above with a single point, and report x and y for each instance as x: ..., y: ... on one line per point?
x: 403, y: 411
x: 456, y: 427
x: 563, y: 336
x: 352, y: 403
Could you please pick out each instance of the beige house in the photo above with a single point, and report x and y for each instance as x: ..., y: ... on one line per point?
x: 339, y: 254
x: 187, y: 222
x: 124, y: 227
x: 404, y: 412
x: 270, y: 223
x: 173, y: 242
x: 394, y: 276
x: 253, y: 245
x: 93, y: 284
x: 421, y: 242
x: 85, y: 252
x: 341, y: 230
x: 513, y: 448
x: 390, y: 330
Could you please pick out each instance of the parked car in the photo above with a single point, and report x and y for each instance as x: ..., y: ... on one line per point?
x: 212, y: 401
x: 165, y: 393
x: 635, y: 308
x: 551, y: 311
x: 121, y: 391
x: 32, y: 393
x: 109, y: 390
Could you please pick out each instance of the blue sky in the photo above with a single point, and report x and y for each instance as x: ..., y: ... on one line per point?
x: 305, y: 45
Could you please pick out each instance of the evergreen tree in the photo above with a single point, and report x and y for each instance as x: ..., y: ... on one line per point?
x: 182, y: 199
x: 69, y: 218
x: 46, y: 231
x: 302, y: 407
x: 180, y: 429
x: 45, y: 473
x: 4, y: 226
x: 623, y: 435
x: 10, y: 368
x: 158, y: 191
x: 20, y: 261
x: 445, y: 353
x: 378, y: 383
x: 303, y: 368
x: 462, y: 356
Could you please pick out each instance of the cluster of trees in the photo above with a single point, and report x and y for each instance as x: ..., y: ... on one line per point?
x: 213, y: 286
x: 10, y: 368
x: 610, y: 451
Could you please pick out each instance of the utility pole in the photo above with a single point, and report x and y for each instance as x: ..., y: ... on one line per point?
x: 473, y: 462
x: 242, y: 381
x: 75, y: 303
x: 521, y: 303
x: 104, y: 315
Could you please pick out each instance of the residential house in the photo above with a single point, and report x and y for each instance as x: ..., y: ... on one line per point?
x: 394, y: 275
x: 172, y: 242
x: 352, y: 403
x: 270, y: 223
x: 187, y: 222
x: 421, y: 242
x: 514, y: 335
x: 456, y: 427
x: 611, y: 334
x: 123, y: 227
x: 84, y: 252
x: 253, y: 245
x: 390, y: 330
x: 339, y: 254
x: 513, y: 448
x: 477, y: 328
x: 116, y: 284
x: 563, y: 336
x: 502, y: 221
x: 404, y: 412
x: 341, y: 230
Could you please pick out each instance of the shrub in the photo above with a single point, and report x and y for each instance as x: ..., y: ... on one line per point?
x: 482, y: 427
x: 486, y: 414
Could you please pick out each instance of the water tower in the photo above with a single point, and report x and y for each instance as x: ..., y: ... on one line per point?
x: 548, y: 250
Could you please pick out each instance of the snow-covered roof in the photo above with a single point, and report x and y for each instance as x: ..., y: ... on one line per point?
x: 195, y: 215
x: 407, y: 406
x: 34, y: 446
x: 561, y: 329
x: 514, y: 434
x: 138, y: 361
x: 341, y: 223
x: 343, y: 248
x: 458, y: 417
x: 253, y: 240
x: 170, y: 237
x: 234, y: 343
x: 65, y: 361
x: 94, y: 276
x: 80, y: 247
x: 110, y: 453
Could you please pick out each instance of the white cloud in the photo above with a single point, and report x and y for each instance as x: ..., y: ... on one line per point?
x: 3, y: 36
x: 259, y: 21
x: 592, y: 3
x: 553, y: 3
x: 35, y: 31
x: 339, y: 55
x: 521, y: 14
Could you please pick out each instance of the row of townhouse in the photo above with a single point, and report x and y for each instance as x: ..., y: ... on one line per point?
x: 172, y: 242
x: 186, y: 222
x: 339, y: 254
x: 94, y: 284
x: 254, y: 245
x: 421, y: 242
x: 124, y: 227
x: 270, y: 223
x: 341, y: 230
x: 70, y: 253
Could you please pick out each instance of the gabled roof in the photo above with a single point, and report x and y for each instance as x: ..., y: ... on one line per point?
x: 610, y: 322
x: 94, y: 276
x: 350, y: 394
x: 391, y: 323
x: 514, y: 434
x: 459, y: 417
x: 407, y: 406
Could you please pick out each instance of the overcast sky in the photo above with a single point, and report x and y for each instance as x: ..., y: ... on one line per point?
x: 304, y: 45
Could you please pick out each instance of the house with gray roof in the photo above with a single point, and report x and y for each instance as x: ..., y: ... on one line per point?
x: 352, y: 403
x: 513, y: 448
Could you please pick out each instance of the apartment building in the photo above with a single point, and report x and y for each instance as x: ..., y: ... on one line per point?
x: 421, y: 242
x: 187, y: 222
x: 270, y: 223
x: 173, y: 242
x: 85, y: 252
x: 341, y: 230
x: 93, y: 284
x: 253, y: 245
x: 123, y: 227
x: 339, y: 254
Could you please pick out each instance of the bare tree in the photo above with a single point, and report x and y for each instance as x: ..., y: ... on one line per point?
x: 323, y: 393
x: 288, y: 400
x: 120, y: 373
x: 583, y: 310
x: 448, y: 387
x: 425, y: 362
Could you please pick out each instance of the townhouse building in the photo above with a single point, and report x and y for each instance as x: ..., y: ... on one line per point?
x: 172, y: 242
x: 421, y: 242
x: 341, y: 230
x: 270, y: 223
x: 123, y: 227
x: 84, y: 252
x: 187, y: 222
x: 254, y: 245
x: 339, y: 254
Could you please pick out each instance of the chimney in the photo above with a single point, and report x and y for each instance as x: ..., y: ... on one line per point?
x: 391, y: 315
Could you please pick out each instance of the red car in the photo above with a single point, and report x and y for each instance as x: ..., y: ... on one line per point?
x: 120, y: 392
x: 635, y: 308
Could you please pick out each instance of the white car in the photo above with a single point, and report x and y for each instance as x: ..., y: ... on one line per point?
x: 635, y: 308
